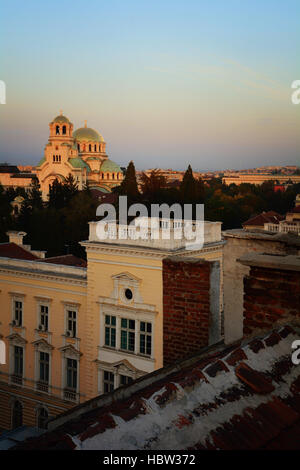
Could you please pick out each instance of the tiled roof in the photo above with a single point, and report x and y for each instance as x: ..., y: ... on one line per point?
x: 263, y: 218
x: 243, y: 396
x: 12, y: 250
x: 67, y: 260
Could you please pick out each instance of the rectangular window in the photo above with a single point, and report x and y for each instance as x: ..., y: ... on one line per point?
x: 125, y: 380
x: 72, y: 374
x: 18, y: 312
x: 127, y: 334
x: 44, y: 367
x: 145, y: 338
x: 18, y: 361
x: 44, y: 317
x: 71, y: 323
x: 108, y: 381
x: 110, y: 331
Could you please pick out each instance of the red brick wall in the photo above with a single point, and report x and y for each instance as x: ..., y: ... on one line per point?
x: 186, y: 307
x: 270, y: 296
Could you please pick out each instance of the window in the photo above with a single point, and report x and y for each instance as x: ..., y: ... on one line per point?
x: 108, y: 381
x: 90, y: 148
x: 145, y: 338
x: 125, y: 380
x: 44, y: 310
x: 57, y: 130
x: 18, y: 361
x: 78, y: 146
x: 54, y: 158
x: 44, y: 367
x: 110, y: 331
x: 17, y: 414
x: 64, y: 130
x: 127, y: 334
x: 18, y: 312
x: 95, y: 148
x: 72, y: 374
x: 71, y: 323
x: 42, y: 418
x: 128, y: 294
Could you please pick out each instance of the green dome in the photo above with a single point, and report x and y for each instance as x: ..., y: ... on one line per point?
x: 41, y: 161
x: 110, y: 167
x: 79, y: 163
x: 61, y: 119
x: 86, y: 134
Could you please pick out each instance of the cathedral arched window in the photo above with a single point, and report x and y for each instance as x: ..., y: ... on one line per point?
x: 57, y: 130
x: 59, y: 158
x: 78, y: 147
x: 99, y: 148
x: 107, y: 176
x: 64, y: 130
x: 17, y: 414
x: 95, y: 148
x: 54, y: 158
x: 113, y: 176
x: 90, y: 148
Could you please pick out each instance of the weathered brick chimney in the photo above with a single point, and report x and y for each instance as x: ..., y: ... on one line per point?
x: 271, y: 291
x: 191, y: 306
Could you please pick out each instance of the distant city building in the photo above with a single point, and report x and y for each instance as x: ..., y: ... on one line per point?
x: 258, y: 178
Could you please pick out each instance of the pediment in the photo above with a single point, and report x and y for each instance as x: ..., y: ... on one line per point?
x: 16, y: 339
x: 42, y: 344
x: 126, y: 276
x: 69, y: 350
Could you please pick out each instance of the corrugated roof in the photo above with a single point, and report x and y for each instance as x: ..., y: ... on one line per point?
x: 245, y: 396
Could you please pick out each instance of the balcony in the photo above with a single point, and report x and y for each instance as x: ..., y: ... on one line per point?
x: 42, y: 387
x: 71, y: 395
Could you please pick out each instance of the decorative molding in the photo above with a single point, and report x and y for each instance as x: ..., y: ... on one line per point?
x: 70, y: 351
x: 15, y: 338
x: 43, y: 287
x: 42, y: 345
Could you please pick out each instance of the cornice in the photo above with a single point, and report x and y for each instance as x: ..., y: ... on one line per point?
x: 41, y: 276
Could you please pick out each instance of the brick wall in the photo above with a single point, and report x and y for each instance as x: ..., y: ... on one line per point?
x: 270, y: 296
x: 186, y: 307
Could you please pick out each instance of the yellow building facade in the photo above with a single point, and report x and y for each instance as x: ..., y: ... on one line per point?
x: 73, y: 332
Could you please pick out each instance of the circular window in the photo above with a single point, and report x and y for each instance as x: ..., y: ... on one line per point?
x: 128, y: 294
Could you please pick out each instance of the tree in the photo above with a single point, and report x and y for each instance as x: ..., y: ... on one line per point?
x: 129, y: 186
x: 188, y: 187
x: 153, y: 185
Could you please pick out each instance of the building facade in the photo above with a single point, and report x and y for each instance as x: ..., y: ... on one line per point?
x: 74, y: 332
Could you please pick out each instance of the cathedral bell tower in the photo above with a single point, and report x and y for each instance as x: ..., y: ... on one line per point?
x: 61, y: 130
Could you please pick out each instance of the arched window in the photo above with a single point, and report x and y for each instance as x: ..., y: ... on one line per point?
x: 42, y: 418
x: 78, y: 146
x: 54, y: 158
x: 102, y: 176
x: 113, y: 176
x: 64, y: 130
x: 59, y: 158
x: 17, y: 414
x: 107, y: 176
x: 57, y: 130
x: 90, y: 148
x: 95, y: 148
x: 99, y: 148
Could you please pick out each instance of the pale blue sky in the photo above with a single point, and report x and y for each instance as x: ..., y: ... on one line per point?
x: 167, y: 83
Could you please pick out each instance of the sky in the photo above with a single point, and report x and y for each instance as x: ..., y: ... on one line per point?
x: 167, y: 83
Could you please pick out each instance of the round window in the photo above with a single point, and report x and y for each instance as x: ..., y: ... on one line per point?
x: 128, y: 294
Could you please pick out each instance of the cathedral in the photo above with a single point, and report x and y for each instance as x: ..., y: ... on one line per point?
x: 81, y: 153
